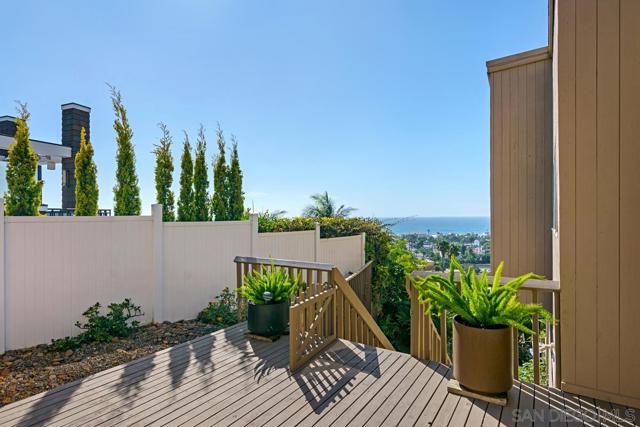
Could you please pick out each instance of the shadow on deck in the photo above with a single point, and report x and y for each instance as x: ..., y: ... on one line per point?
x: 226, y: 379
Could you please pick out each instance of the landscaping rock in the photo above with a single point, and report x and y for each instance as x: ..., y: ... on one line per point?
x: 33, y: 370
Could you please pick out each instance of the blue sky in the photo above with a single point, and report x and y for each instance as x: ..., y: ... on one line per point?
x: 385, y: 104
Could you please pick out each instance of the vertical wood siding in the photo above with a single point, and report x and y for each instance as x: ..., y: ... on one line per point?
x: 521, y: 165
x: 597, y: 53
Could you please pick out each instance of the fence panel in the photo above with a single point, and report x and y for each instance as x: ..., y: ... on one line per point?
x: 360, y: 282
x: 346, y: 253
x: 198, y: 263
x: 56, y: 267
x: 299, y: 245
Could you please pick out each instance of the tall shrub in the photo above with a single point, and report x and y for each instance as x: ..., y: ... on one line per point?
x: 219, y: 201
x: 185, y: 200
x: 24, y: 194
x: 164, y: 174
x: 126, y: 193
x: 201, y: 180
x: 86, y: 179
x: 234, y: 180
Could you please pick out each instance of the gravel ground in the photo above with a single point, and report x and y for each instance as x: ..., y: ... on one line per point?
x: 36, y: 369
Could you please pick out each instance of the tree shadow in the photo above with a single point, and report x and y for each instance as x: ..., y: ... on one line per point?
x: 133, y: 375
x: 179, y: 359
x: 49, y: 405
x: 204, y: 351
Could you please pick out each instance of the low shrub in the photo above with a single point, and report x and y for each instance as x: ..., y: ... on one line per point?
x: 116, y: 323
x: 222, y: 311
x: 66, y: 343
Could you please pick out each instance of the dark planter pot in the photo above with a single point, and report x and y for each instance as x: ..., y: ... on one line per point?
x: 482, y: 358
x: 268, y: 319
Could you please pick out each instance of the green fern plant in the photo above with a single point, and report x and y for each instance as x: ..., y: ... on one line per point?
x: 479, y: 303
x: 276, y: 281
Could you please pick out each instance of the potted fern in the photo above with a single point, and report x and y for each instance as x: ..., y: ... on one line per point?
x: 484, y: 315
x: 268, y: 292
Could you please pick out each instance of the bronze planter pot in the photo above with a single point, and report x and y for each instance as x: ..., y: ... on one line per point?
x: 482, y: 358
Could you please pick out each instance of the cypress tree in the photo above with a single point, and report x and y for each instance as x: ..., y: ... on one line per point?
x: 185, y: 201
x: 126, y: 193
x: 24, y: 194
x: 164, y: 174
x: 86, y: 179
x: 220, y: 199
x: 236, y: 195
x: 201, y: 180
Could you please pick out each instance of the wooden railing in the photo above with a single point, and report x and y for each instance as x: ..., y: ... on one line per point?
x: 360, y: 282
x: 324, y: 309
x: 426, y: 341
x: 431, y: 342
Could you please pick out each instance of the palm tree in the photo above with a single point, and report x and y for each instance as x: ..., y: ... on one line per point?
x: 443, y: 246
x: 324, y: 206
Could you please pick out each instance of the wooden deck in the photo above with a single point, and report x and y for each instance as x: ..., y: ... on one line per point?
x: 225, y: 379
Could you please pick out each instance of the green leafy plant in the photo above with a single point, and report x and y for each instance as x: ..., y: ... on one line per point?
x: 164, y: 174
x: 479, y: 303
x: 24, y: 191
x: 116, y: 323
x: 201, y: 180
x: 126, y: 192
x: 86, y: 179
x: 526, y: 372
x: 276, y: 281
x: 220, y: 199
x: 323, y: 206
x: 66, y: 343
x: 234, y: 181
x: 222, y: 311
x: 185, y: 200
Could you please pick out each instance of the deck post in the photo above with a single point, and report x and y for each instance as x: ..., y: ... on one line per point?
x: 3, y: 319
x: 158, y: 263
x: 253, y: 242
x: 316, y: 242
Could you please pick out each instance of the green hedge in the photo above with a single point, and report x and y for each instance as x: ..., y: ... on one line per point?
x: 377, y: 240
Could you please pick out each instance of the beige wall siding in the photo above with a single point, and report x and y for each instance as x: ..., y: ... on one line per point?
x: 597, y: 53
x: 521, y: 162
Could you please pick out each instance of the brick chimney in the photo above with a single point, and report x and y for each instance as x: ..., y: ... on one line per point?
x: 74, y: 118
x: 8, y: 126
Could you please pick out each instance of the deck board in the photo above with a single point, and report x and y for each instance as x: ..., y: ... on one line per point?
x: 225, y: 379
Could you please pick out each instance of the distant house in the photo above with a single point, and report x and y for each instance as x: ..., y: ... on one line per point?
x: 74, y: 118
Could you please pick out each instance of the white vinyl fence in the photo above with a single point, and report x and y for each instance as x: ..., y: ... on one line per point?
x: 53, y: 268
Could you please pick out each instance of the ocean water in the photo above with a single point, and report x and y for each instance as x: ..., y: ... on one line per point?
x: 433, y: 225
